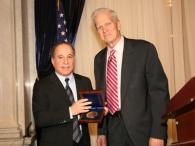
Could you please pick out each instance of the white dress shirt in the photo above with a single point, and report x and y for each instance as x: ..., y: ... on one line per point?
x: 119, y: 47
x: 72, y: 85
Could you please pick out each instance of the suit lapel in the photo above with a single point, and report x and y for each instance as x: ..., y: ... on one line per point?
x: 127, y: 67
x: 58, y: 85
x: 78, y: 85
x: 102, y: 68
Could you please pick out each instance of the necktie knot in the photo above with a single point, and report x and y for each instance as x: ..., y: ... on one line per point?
x: 112, y: 51
x: 67, y: 80
x: 67, y: 85
x: 112, y: 56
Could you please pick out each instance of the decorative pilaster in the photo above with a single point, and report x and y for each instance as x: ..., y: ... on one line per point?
x: 12, y: 112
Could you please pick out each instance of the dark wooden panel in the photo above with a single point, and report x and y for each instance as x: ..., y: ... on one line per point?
x: 186, y: 126
x: 183, y: 101
x: 182, y: 108
x: 189, y: 143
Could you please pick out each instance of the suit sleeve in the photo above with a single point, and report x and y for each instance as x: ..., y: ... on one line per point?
x: 157, y: 92
x: 102, y: 127
x: 89, y: 84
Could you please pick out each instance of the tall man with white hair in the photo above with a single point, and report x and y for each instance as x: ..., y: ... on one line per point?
x: 134, y: 83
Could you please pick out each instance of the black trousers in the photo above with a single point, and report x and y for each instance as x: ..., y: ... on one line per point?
x: 79, y: 144
x: 117, y: 133
x: 82, y: 142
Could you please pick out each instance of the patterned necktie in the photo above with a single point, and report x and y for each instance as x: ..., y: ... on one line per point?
x: 76, y: 129
x: 112, y: 83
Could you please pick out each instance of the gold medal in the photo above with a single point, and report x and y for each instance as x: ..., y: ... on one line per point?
x: 91, y: 114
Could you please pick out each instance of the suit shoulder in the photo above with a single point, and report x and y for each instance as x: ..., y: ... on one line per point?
x: 140, y: 42
x: 83, y: 82
x: 101, y: 53
x: 78, y: 76
x: 139, y: 45
x: 43, y: 82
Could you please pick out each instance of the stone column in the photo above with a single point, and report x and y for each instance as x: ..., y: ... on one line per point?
x: 12, y: 101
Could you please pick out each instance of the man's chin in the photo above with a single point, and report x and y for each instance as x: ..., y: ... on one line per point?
x: 108, y: 41
x: 66, y: 73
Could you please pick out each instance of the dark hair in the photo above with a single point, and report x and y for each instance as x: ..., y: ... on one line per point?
x: 61, y: 43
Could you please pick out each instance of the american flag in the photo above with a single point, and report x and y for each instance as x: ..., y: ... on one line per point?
x: 62, y: 31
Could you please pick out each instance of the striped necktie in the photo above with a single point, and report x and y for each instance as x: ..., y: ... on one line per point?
x: 112, y: 83
x: 76, y: 129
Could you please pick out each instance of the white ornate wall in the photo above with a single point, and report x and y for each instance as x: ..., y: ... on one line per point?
x: 17, y: 72
x: 12, y: 121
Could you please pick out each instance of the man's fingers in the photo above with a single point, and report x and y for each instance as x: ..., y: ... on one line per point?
x: 105, y: 111
x: 84, y: 110
x: 83, y: 100
x: 87, y: 103
x: 86, y: 107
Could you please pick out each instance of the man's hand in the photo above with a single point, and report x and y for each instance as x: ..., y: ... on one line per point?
x: 101, y: 140
x: 105, y: 111
x: 80, y: 106
x: 156, y: 142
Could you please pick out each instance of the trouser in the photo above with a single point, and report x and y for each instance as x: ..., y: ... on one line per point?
x: 117, y: 133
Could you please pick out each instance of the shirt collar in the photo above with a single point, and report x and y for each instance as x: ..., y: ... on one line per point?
x: 62, y: 78
x: 118, y: 46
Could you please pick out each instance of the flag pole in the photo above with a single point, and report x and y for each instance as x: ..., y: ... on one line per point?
x: 58, y: 4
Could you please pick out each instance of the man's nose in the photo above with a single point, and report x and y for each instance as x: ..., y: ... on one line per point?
x: 104, y: 29
x: 65, y: 60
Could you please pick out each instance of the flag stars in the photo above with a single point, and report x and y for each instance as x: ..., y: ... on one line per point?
x: 61, y: 15
x: 59, y: 25
x: 63, y: 33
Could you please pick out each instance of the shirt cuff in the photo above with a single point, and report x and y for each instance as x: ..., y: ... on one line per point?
x: 71, y: 116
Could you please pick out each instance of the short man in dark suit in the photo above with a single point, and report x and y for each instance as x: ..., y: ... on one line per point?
x: 134, y: 83
x: 56, y: 102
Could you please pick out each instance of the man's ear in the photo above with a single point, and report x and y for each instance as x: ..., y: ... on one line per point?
x: 52, y: 60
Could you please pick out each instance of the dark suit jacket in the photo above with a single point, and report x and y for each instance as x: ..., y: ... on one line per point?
x: 51, y: 111
x: 144, y: 90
